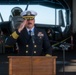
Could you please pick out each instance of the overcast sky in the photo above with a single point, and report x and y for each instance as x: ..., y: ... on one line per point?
x: 45, y: 15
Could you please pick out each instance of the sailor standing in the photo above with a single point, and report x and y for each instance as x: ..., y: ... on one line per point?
x: 32, y: 41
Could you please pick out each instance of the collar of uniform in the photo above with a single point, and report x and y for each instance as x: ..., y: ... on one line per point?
x: 30, y: 29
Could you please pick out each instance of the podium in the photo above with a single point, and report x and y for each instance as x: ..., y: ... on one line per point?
x: 32, y: 65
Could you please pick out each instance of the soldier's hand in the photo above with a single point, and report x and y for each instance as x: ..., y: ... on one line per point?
x: 22, y: 26
x: 48, y: 55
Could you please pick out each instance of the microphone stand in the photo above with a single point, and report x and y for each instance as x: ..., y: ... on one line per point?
x: 64, y: 47
x: 33, y: 42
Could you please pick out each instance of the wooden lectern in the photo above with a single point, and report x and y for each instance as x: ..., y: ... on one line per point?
x: 32, y: 65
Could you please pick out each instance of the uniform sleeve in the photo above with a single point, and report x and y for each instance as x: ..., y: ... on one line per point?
x: 46, y: 45
x: 11, y: 40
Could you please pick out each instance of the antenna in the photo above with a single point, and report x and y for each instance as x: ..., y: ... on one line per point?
x: 27, y: 6
x: 1, y: 18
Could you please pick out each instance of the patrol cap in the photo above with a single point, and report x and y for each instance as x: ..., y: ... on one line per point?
x: 28, y: 14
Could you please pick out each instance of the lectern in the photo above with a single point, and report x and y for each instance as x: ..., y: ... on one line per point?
x: 32, y: 65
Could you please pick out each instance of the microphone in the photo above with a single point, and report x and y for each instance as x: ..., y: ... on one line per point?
x: 32, y: 37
